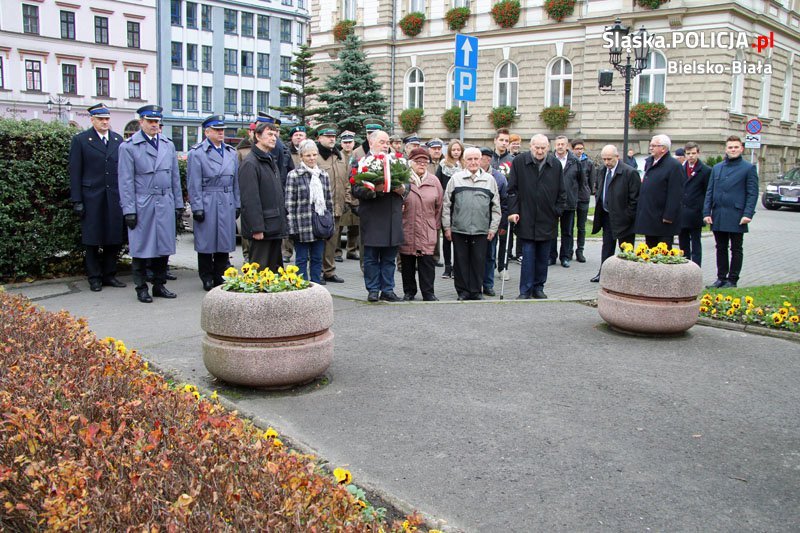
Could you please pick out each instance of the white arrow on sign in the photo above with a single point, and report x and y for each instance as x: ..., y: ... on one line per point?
x: 467, y: 49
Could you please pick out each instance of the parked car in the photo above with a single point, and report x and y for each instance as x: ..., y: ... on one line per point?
x: 783, y: 192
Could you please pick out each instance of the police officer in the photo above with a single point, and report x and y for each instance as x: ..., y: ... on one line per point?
x: 212, y: 177
x: 95, y: 197
x: 151, y: 200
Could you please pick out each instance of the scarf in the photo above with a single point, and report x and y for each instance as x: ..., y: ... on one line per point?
x: 326, y: 153
x: 449, y: 170
x: 417, y: 180
x: 316, y: 194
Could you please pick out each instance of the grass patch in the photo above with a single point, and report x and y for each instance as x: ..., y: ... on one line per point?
x: 772, y: 306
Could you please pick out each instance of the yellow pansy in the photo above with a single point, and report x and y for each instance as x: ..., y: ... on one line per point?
x: 730, y: 312
x: 277, y: 443
x: 787, y: 304
x: 794, y: 319
x: 343, y: 477
x: 760, y: 312
x: 703, y: 309
x: 718, y: 298
x: 214, y: 395
x: 231, y: 272
x: 626, y: 247
x: 777, y: 318
x: 783, y: 311
x: 270, y: 433
x: 748, y: 300
x: 254, y: 266
x: 714, y: 311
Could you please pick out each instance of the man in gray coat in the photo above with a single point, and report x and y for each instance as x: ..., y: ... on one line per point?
x: 213, y: 182
x: 151, y: 200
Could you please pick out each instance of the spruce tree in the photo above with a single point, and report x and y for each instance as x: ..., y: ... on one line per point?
x: 352, y: 94
x: 302, y: 71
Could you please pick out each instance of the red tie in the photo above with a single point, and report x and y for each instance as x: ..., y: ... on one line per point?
x: 689, y: 170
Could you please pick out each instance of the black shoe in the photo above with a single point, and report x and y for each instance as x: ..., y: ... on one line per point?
x: 352, y: 256
x: 539, y: 294
x: 408, y: 297
x: 430, y: 298
x: 523, y: 297
x: 334, y: 279
x: 208, y: 284
x: 579, y: 257
x: 448, y: 272
x: 95, y: 285
x: 143, y: 296
x: 439, y: 264
x: 338, y: 259
x: 218, y: 282
x: 321, y: 282
x: 477, y: 296
x: 373, y: 296
x: 595, y: 279
x: 565, y: 263
x: 163, y: 292
x: 551, y: 262
x: 114, y: 282
x: 390, y: 296
x: 170, y: 276
x: 717, y: 284
x: 728, y: 285
x: 489, y: 292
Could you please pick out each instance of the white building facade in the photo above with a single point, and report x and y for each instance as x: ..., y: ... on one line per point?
x: 540, y: 62
x: 74, y: 54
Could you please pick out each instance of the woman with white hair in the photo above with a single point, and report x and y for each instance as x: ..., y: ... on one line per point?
x: 309, y: 211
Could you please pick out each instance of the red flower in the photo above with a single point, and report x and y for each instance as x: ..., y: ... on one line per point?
x: 364, y: 169
x: 353, y: 180
x: 380, y: 156
x: 398, y: 155
x: 353, y: 172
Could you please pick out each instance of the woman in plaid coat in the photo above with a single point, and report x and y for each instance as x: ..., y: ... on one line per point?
x: 308, y: 189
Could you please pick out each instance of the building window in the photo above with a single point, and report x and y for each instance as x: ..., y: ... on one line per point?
x: 415, y: 88
x: 231, y: 21
x: 286, y: 31
x: 247, y: 63
x: 301, y: 4
x: 506, y: 83
x: 349, y: 9
x: 650, y: 85
x: 191, y: 15
x: 177, y: 137
x: 299, y: 33
x: 286, y: 68
x: 450, y: 100
x: 786, y: 116
x: 207, y: 59
x: 286, y: 2
x: 101, y: 30
x: 69, y: 78
x: 230, y: 101
x: 205, y: 17
x: 68, y: 25
x: 286, y: 100
x: 177, y: 55
x: 205, y: 95
x: 191, y: 56
x: 103, y: 82
x: 175, y: 10
x: 247, y: 24
x: 230, y: 61
x: 460, y: 3
x: 262, y: 100
x: 737, y: 86
x: 30, y: 19
x: 766, y: 89
x: 177, y: 96
x: 134, y: 85
x: 192, y: 135
x: 247, y: 102
x: 133, y: 35
x: 559, y: 83
x: 263, y: 66
x: 263, y: 27
x: 33, y: 75
x: 2, y: 77
x: 416, y: 6
x: 191, y: 97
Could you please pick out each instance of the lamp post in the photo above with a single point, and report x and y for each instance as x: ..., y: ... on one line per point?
x: 58, y: 102
x: 641, y: 50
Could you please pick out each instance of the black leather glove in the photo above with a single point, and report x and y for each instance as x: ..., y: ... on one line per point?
x: 199, y: 215
x: 130, y: 220
x: 238, y: 212
x: 77, y: 208
x: 178, y: 215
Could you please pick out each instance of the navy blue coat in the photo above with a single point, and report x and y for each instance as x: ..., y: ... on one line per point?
x: 732, y: 194
x: 660, y: 197
x: 623, y: 198
x: 694, y: 195
x: 93, y: 181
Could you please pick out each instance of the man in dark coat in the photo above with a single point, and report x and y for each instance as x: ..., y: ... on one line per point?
x: 152, y: 201
x: 617, y: 195
x: 536, y: 198
x: 729, y: 207
x: 585, y: 192
x: 660, y: 196
x: 94, y: 192
x: 572, y: 183
x: 695, y: 183
x: 381, y: 216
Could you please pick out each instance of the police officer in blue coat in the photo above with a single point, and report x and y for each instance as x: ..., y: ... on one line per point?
x: 213, y: 181
x: 95, y: 197
x: 151, y: 200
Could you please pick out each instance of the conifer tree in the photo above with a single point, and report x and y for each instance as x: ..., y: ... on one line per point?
x: 304, y: 93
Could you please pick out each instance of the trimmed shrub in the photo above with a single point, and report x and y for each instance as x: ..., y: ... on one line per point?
x: 410, y: 119
x: 41, y: 236
x: 452, y: 119
x: 647, y: 115
x: 503, y: 116
x: 342, y: 29
x: 412, y: 24
x: 555, y: 117
x: 713, y: 160
x: 457, y: 18
x: 506, y: 13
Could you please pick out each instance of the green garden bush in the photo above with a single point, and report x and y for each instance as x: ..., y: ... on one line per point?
x: 39, y: 235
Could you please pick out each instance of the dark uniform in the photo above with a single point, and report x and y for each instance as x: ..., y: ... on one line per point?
x: 94, y: 193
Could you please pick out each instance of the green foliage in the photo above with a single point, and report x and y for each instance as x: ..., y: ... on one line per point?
x: 302, y: 71
x: 457, y: 18
x: 351, y: 93
x: 559, y: 9
x: 647, y: 115
x: 452, y: 119
x: 342, y: 29
x: 412, y: 23
x: 651, y: 4
x: 506, y: 13
x: 503, y: 116
x: 771, y: 306
x: 410, y: 119
x: 555, y: 117
x: 713, y: 160
x: 38, y: 227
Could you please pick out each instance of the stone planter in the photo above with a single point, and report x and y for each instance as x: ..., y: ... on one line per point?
x: 267, y: 340
x: 648, y: 298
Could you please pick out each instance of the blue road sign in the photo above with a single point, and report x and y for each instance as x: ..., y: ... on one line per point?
x: 466, y: 51
x: 753, y: 126
x: 465, y: 84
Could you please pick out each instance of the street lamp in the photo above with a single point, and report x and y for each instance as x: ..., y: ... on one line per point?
x: 58, y: 102
x: 641, y: 50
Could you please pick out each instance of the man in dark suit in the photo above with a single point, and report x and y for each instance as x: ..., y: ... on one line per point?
x: 695, y: 183
x: 617, y: 196
x: 94, y: 192
x: 659, y: 203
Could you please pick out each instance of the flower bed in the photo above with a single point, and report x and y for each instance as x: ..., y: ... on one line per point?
x: 412, y: 24
x: 747, y: 311
x: 506, y: 13
x: 92, y: 439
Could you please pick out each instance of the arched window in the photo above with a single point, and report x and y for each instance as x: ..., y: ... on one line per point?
x: 130, y: 128
x: 649, y: 86
x: 766, y: 88
x: 737, y: 86
x: 506, y: 83
x: 787, y: 95
x: 415, y: 88
x: 559, y: 83
x: 349, y: 9
x: 451, y: 91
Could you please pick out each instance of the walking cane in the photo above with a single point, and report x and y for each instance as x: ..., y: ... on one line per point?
x: 505, y: 259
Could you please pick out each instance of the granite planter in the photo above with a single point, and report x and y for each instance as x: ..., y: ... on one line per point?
x: 649, y: 298
x: 272, y: 340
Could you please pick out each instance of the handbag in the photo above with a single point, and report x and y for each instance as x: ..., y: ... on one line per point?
x: 322, y: 225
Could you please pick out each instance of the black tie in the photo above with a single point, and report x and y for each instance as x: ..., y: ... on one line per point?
x: 605, y: 189
x: 153, y: 142
x: 105, y: 141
